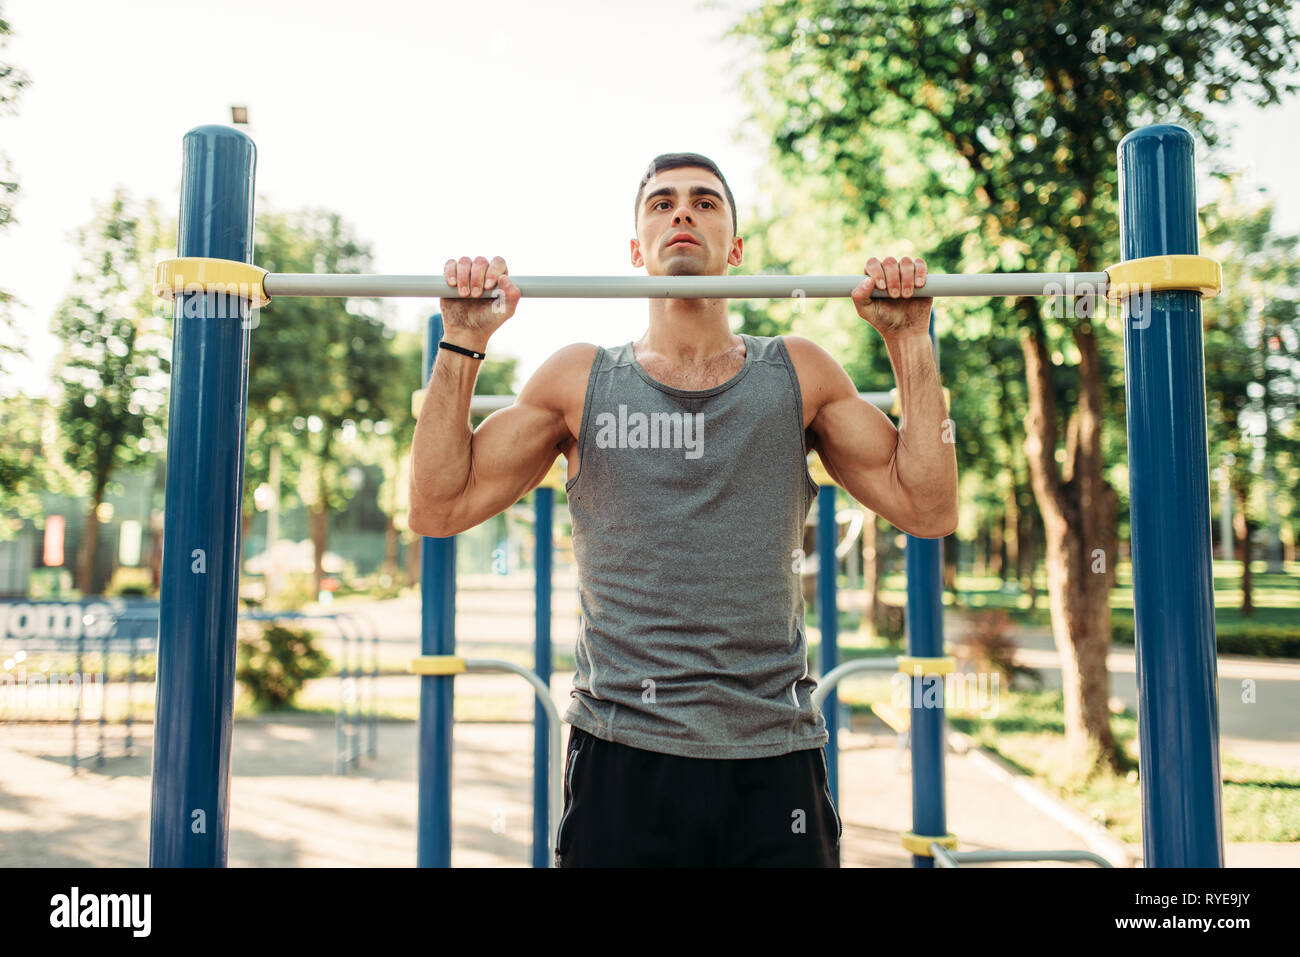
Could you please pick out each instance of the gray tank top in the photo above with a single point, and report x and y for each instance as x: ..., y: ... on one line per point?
x: 688, y: 513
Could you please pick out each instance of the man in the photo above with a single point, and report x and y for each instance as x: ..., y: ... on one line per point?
x: 693, y: 740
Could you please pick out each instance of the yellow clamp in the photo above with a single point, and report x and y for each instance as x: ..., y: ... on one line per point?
x: 556, y: 477
x: 919, y: 667
x: 1163, y: 273
x: 438, y: 665
x: 919, y: 844
x: 198, y: 274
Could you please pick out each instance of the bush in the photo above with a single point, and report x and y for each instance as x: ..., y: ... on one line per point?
x: 130, y: 583
x: 990, y: 647
x: 1264, y: 641
x: 275, y: 662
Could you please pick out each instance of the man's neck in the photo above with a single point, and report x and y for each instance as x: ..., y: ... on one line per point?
x: 688, y: 331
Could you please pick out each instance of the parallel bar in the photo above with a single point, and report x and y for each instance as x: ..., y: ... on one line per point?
x: 688, y: 287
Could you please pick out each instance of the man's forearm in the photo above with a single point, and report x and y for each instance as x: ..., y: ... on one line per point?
x: 926, y: 459
x: 440, y: 449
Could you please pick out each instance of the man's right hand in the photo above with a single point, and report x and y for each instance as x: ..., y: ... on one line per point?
x: 467, y: 322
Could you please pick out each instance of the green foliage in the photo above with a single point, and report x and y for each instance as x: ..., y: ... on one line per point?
x: 12, y: 82
x: 1252, y: 353
x: 25, y: 452
x: 113, y: 365
x: 1261, y: 641
x: 275, y: 662
x: 130, y: 582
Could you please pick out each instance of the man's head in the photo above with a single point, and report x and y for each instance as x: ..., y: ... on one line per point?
x: 685, y: 195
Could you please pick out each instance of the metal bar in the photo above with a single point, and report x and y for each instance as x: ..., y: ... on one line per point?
x: 942, y: 856
x: 437, y: 637
x: 983, y: 857
x: 828, y: 622
x: 556, y: 768
x: 1168, y: 467
x: 205, y: 483
x: 484, y: 404
x: 543, y: 531
x: 686, y: 287
x: 923, y: 559
x: 827, y: 682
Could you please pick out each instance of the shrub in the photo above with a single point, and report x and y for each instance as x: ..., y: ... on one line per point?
x: 990, y: 647
x: 1264, y: 641
x: 273, y: 663
x: 130, y: 583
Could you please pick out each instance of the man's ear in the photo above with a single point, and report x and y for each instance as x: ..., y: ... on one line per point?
x: 637, y: 260
x: 737, y: 251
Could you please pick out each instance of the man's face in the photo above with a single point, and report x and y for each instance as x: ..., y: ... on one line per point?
x: 684, y: 226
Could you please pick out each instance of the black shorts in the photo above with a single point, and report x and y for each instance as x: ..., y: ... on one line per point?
x: 627, y: 807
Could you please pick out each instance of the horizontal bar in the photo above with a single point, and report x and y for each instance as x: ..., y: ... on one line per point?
x: 687, y: 287
x: 486, y: 404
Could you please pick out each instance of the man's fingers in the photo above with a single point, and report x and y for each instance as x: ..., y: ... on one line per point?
x: 875, y: 272
x: 907, y: 276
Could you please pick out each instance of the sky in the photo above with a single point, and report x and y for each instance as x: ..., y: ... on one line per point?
x: 436, y: 129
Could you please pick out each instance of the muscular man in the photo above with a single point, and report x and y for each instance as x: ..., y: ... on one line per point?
x: 693, y: 739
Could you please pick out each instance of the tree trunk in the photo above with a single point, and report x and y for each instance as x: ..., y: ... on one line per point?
x: 870, y: 566
x: 1079, y: 510
x: 156, y: 548
x: 389, y: 567
x: 997, y: 547
x: 1241, y: 524
x: 950, y: 563
x: 89, y: 545
x: 318, y: 521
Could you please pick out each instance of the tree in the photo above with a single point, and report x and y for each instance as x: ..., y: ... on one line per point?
x: 1252, y: 359
x: 1031, y: 102
x: 113, y: 367
x: 12, y: 82
x: 319, y: 370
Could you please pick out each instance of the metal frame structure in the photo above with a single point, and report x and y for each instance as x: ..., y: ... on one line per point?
x: 1161, y: 282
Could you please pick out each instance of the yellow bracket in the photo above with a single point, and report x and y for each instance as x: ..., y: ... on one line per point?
x: 195, y: 274
x: 556, y: 477
x: 438, y: 665
x: 919, y: 844
x: 919, y: 667
x: 1164, y: 273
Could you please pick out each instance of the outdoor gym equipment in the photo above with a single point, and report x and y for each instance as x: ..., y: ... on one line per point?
x: 1160, y: 282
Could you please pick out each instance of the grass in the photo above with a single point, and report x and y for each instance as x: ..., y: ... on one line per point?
x: 1259, y: 803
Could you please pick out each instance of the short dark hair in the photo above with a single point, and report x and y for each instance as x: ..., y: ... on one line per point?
x: 667, y: 161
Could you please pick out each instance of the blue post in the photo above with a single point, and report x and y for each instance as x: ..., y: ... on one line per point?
x: 923, y: 560
x: 437, y: 637
x: 1168, y: 466
x: 205, y: 482
x: 828, y: 621
x: 543, y: 508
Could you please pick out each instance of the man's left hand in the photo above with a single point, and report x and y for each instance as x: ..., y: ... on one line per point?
x: 901, y: 279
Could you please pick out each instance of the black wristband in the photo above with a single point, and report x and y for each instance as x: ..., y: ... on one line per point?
x: 444, y: 344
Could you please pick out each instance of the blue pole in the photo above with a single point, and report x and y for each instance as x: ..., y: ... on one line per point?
x: 1168, y: 465
x: 923, y: 560
x: 205, y: 482
x: 828, y: 621
x: 543, y: 507
x: 437, y: 637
